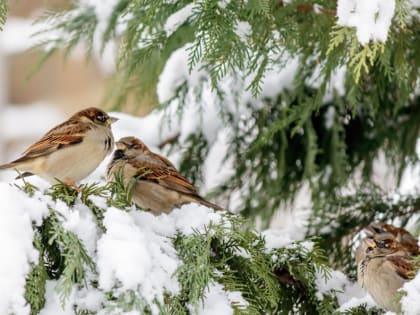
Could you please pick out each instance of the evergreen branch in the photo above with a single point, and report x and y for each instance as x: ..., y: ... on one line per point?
x: 94, y: 189
x: 64, y: 192
x: 74, y: 257
x: 36, y: 280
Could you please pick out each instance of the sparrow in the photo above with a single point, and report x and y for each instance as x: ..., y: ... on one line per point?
x: 156, y: 184
x: 383, y: 270
x: 382, y: 231
x: 70, y: 151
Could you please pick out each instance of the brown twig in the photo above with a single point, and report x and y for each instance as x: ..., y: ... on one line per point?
x: 170, y: 140
x: 311, y: 8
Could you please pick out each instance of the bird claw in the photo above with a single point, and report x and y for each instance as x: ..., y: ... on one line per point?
x: 72, y: 184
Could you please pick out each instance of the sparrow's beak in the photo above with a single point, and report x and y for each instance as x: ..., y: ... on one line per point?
x: 111, y: 120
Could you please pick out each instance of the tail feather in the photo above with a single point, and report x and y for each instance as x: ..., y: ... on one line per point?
x: 209, y: 204
x: 6, y: 166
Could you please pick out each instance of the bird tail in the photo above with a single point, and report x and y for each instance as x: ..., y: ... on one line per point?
x: 209, y: 204
x: 7, y: 166
x: 13, y: 165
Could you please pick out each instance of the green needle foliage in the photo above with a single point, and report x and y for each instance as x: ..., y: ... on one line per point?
x: 35, y: 282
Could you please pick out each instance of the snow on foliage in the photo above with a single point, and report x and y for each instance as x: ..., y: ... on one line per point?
x: 372, y: 19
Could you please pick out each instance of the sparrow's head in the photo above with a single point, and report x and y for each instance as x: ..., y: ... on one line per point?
x: 129, y: 147
x: 95, y: 115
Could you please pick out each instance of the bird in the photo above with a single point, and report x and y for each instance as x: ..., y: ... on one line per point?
x: 157, y: 186
x: 71, y: 150
x: 382, y: 271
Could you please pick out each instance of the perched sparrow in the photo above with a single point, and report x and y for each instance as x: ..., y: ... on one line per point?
x: 70, y: 151
x: 156, y: 183
x: 382, y: 231
x: 382, y: 271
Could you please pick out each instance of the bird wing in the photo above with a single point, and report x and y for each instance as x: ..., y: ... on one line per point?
x: 163, y: 173
x: 61, y: 136
x: 402, y: 266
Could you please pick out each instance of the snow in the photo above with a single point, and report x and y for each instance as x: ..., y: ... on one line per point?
x: 243, y: 30
x: 177, y: 19
x: 348, y: 293
x: 410, y: 301
x: 218, y: 301
x: 372, y: 18
x: 16, y: 235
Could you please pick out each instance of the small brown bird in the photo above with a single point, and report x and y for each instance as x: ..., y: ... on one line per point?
x: 383, y: 270
x: 70, y: 151
x: 157, y: 185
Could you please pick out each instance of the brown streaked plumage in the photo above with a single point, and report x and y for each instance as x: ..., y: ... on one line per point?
x: 157, y: 185
x: 70, y: 151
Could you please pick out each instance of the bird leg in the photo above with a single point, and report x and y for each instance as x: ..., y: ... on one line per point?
x: 72, y: 184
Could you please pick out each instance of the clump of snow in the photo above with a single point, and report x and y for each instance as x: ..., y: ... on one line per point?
x: 177, y: 19
x: 243, y: 30
x: 219, y: 301
x: 175, y: 73
x: 16, y: 236
x: 372, y: 18
x: 275, y: 238
x: 349, y: 294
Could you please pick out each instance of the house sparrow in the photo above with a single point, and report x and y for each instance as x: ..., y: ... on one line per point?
x: 156, y: 184
x: 382, y: 231
x: 382, y: 271
x: 70, y: 151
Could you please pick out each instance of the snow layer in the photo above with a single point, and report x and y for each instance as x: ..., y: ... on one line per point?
x: 372, y: 18
x: 178, y: 18
x: 16, y: 236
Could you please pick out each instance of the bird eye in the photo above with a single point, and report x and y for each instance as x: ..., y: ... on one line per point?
x: 383, y: 245
x: 377, y: 230
x: 101, y: 118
